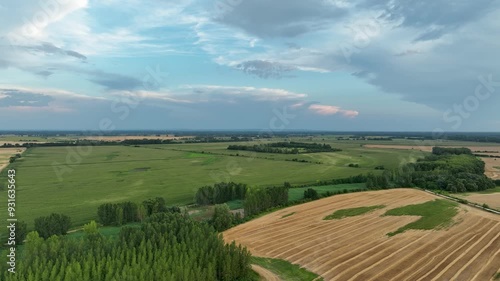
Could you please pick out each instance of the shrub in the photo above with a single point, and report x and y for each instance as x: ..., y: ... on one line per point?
x: 222, y: 218
x: 21, y: 231
x: 90, y: 228
x: 55, y: 224
x: 311, y: 194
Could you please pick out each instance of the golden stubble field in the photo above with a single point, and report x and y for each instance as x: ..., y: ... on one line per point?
x: 357, y: 248
x: 6, y: 153
x: 491, y: 199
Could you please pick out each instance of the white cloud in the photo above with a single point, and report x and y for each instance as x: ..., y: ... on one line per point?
x: 29, y: 21
x: 259, y: 94
x: 332, y: 110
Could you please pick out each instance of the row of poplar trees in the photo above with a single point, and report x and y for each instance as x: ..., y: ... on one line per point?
x: 258, y: 200
x: 220, y: 193
x: 122, y: 213
x: 167, y: 246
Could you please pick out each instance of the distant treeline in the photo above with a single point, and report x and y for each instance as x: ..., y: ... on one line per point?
x: 353, y: 179
x: 220, y: 193
x: 453, y: 170
x: 450, y: 150
x: 200, y: 139
x: 365, y: 138
x: 145, y: 141
x: 472, y: 136
x: 475, y: 138
x: 487, y: 155
x: 286, y: 147
x: 91, y: 143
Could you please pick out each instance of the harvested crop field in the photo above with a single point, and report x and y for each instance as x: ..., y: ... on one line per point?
x: 492, y: 200
x: 265, y: 274
x: 491, y: 167
x: 491, y: 163
x: 6, y: 153
x: 358, y: 248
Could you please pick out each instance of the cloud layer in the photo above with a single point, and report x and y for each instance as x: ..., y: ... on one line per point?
x: 325, y: 59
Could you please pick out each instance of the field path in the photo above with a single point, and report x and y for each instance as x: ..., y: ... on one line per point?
x: 357, y: 248
x: 265, y: 274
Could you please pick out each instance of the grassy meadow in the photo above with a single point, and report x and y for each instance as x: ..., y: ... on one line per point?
x: 351, y: 212
x: 285, y: 270
x: 173, y: 171
x: 434, y: 214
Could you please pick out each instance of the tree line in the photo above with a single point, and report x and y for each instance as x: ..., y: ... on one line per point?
x: 260, y: 199
x: 451, y: 150
x: 214, y: 139
x: 353, y: 179
x: 285, y: 147
x: 453, y: 170
x: 115, y: 214
x: 91, y: 143
x: 126, y: 212
x: 220, y: 193
x: 167, y: 246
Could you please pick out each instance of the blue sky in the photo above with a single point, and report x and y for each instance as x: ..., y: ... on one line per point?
x: 239, y: 64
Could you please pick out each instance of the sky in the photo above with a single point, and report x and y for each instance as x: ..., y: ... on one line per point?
x: 359, y: 65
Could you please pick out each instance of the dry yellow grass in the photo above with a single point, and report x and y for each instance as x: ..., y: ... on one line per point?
x: 265, y: 274
x: 357, y: 248
x: 492, y: 199
x: 6, y: 153
x: 490, y: 168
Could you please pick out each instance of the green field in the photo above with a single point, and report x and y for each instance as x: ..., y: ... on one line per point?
x: 366, y: 158
x: 121, y: 173
x: 286, y: 270
x: 434, y: 214
x: 344, y: 213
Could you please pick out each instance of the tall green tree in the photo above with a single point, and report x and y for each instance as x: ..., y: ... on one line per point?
x: 222, y: 218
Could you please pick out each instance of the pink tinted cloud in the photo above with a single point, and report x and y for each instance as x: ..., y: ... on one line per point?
x: 332, y: 110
